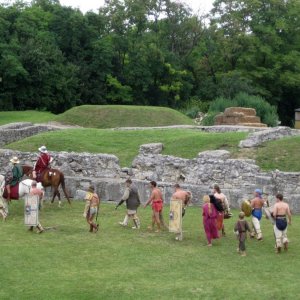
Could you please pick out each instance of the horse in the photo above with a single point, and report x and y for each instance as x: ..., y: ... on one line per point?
x: 23, y: 190
x: 50, y: 177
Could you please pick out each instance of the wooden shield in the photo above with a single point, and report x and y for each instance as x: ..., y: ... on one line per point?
x: 246, y: 208
x: 175, y: 216
x: 31, y: 211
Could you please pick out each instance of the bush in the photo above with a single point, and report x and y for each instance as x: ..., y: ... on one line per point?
x: 194, y: 106
x: 264, y: 110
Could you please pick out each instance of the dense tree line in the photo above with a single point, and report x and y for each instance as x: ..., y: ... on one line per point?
x: 149, y: 52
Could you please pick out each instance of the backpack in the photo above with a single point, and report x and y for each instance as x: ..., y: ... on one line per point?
x: 217, y: 203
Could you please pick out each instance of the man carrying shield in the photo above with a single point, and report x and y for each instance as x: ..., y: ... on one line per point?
x: 183, y: 196
x: 280, y: 211
x: 91, y: 208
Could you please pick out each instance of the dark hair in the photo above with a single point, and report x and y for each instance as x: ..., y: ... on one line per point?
x: 217, y: 188
x: 153, y: 183
x: 176, y: 186
x: 91, y: 188
x: 279, y: 196
x: 128, y: 180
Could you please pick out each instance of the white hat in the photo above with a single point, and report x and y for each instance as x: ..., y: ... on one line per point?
x: 15, y: 160
x: 43, y: 149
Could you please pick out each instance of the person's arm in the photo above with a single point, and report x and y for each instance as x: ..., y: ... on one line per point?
x: 149, y: 200
x: 275, y: 211
x: 124, y: 197
x: 289, y: 215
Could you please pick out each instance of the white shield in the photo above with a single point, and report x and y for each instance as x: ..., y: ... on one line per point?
x: 31, y: 211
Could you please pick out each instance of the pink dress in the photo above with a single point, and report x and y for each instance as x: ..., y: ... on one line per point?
x: 210, y: 221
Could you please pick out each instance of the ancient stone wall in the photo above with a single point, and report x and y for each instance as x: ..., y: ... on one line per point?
x: 17, y: 131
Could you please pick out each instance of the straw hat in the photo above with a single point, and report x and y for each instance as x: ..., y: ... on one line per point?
x: 43, y: 149
x: 15, y: 160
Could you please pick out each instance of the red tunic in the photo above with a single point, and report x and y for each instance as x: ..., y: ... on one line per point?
x: 42, y: 162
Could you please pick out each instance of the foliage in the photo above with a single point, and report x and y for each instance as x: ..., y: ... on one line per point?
x: 149, y: 52
x: 194, y: 106
x: 264, y: 110
x: 80, y: 265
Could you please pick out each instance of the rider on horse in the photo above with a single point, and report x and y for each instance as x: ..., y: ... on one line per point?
x: 42, y: 163
x: 14, y: 176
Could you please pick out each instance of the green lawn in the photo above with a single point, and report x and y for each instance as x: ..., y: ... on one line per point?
x: 32, y: 116
x: 110, y: 116
x: 125, y: 144
x: 121, y: 263
x: 285, y: 153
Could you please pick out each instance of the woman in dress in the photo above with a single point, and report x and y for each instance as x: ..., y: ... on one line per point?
x: 209, y: 214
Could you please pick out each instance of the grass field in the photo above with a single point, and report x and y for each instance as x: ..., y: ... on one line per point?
x: 121, y: 263
x: 32, y: 116
x: 125, y: 144
x: 110, y: 116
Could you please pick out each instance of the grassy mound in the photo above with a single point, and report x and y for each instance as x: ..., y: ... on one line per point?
x: 110, y: 116
x: 125, y: 144
x: 32, y: 116
x: 121, y: 263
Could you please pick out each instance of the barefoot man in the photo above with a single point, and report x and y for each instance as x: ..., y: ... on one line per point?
x: 281, y: 210
x: 156, y: 200
x: 185, y: 197
x: 257, y: 203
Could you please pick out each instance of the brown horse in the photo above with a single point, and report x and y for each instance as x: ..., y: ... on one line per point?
x: 50, y: 177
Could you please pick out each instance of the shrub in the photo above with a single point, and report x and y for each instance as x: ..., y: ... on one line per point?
x: 264, y: 110
x: 194, y: 106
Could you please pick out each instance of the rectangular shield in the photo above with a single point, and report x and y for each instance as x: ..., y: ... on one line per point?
x: 175, y: 216
x: 31, y: 211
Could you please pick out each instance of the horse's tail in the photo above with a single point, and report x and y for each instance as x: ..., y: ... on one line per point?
x: 62, y: 182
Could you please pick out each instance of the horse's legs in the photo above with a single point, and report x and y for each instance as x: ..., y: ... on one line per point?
x: 58, y: 195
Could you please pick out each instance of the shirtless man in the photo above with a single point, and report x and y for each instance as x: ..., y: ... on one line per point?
x: 280, y: 211
x: 91, y: 208
x: 156, y: 200
x: 185, y: 197
x: 257, y: 203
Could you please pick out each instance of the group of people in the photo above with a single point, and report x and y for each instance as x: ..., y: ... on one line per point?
x: 280, y: 217
x: 15, y: 174
x: 215, y: 209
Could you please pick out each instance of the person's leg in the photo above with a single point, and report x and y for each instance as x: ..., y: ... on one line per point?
x: 8, y: 192
x: 256, y: 225
x: 285, y: 240
x: 157, y: 220
x: 278, y: 238
x: 136, y: 221
x: 161, y: 219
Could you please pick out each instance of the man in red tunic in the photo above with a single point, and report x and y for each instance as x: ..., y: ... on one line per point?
x: 42, y: 163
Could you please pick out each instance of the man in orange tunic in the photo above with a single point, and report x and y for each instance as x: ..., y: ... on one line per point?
x: 156, y: 199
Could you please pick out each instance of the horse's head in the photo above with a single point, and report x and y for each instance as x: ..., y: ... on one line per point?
x: 27, y: 170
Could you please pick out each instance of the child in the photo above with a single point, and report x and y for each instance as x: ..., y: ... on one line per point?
x: 91, y: 208
x: 241, y: 227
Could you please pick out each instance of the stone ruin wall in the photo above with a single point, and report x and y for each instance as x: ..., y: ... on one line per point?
x: 236, y: 177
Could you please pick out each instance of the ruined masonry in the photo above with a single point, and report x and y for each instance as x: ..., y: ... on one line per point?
x: 237, y: 177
